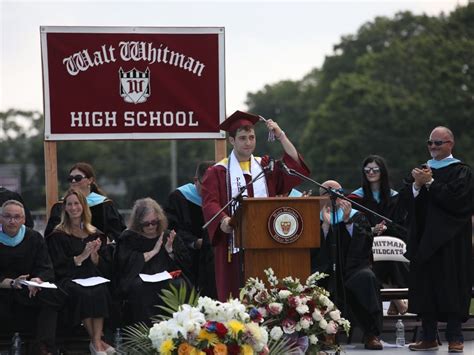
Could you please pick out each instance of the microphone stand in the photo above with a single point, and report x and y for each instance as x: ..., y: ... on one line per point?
x: 235, y: 199
x: 334, y: 195
x: 233, y: 202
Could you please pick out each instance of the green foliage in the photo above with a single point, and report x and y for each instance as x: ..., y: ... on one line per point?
x: 282, y: 346
x: 136, y: 341
x: 174, y: 297
x: 382, y: 92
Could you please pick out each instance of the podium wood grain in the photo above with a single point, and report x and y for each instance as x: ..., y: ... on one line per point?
x: 261, y: 251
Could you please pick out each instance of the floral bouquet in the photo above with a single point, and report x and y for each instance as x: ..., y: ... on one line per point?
x: 210, y: 327
x: 289, y: 309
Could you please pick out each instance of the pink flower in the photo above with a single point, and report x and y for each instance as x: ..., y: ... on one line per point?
x: 331, y: 328
x: 275, y: 308
x: 288, y: 325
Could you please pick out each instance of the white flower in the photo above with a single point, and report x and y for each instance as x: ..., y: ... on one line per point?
x: 299, y: 288
x: 190, y: 319
x: 317, y: 315
x: 256, y: 335
x: 302, y: 309
x: 305, y: 322
x: 323, y: 324
x: 276, y: 333
x: 283, y: 294
x: 335, y: 315
x: 313, y: 339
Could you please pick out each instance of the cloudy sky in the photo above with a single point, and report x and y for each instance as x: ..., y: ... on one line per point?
x: 266, y: 41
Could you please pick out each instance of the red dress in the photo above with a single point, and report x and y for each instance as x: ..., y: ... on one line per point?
x: 215, y: 196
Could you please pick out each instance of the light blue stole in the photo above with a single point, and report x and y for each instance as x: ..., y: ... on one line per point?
x: 5, y: 239
x: 94, y: 199
x: 190, y: 193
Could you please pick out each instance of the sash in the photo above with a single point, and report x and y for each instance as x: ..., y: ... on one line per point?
x: 94, y: 199
x: 438, y: 164
x: 376, y: 194
x: 236, y: 179
x: 5, y: 239
x: 190, y: 193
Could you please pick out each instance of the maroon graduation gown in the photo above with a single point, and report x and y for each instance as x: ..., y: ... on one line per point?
x: 214, y: 192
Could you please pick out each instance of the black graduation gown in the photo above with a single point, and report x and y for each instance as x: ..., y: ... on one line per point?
x: 105, y: 217
x: 30, y: 257
x: 440, y: 243
x: 6, y: 195
x: 186, y: 219
x: 130, y: 261
x: 390, y: 273
x: 83, y: 302
x: 356, y: 282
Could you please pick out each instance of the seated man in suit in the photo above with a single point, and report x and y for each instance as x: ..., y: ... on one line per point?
x: 24, y: 256
x: 357, y: 285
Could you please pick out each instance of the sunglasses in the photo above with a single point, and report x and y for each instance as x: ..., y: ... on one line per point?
x: 75, y: 178
x: 155, y: 222
x: 436, y: 143
x: 374, y: 170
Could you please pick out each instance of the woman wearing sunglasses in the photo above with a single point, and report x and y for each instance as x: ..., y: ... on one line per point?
x: 77, y: 250
x: 147, y: 247
x: 105, y: 215
x: 377, y: 195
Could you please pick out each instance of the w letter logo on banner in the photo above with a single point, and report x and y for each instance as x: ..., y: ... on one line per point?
x: 135, y: 85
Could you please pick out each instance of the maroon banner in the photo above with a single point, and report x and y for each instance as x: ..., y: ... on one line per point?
x: 133, y: 83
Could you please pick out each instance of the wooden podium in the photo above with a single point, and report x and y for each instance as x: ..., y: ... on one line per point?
x: 263, y: 221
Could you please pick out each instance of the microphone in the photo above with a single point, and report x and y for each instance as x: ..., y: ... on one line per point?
x: 285, y: 168
x: 270, y: 167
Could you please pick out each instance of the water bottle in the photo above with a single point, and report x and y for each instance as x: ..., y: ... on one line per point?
x: 16, y: 345
x: 400, y: 333
x: 118, y: 341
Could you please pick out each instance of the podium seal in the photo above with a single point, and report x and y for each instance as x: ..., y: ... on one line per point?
x: 285, y: 225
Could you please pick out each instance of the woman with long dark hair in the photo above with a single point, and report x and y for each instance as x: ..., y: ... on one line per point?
x: 377, y: 195
x: 105, y: 215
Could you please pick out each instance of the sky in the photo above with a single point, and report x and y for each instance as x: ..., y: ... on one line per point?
x: 265, y: 41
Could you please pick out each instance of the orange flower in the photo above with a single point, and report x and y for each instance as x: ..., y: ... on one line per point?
x: 220, y: 349
x: 188, y: 349
x: 184, y: 349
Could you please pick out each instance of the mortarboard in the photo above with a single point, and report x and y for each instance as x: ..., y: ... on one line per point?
x: 238, y: 119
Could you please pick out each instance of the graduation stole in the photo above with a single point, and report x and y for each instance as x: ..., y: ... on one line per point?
x: 236, y: 180
x: 94, y: 199
x: 438, y: 164
x: 190, y: 193
x: 376, y: 194
x: 5, y: 239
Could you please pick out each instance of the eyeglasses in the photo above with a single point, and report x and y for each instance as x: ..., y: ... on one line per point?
x: 436, y: 143
x: 155, y: 222
x: 373, y: 170
x: 75, y: 178
x: 15, y: 218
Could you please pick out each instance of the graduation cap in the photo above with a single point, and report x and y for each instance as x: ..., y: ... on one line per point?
x: 238, y: 119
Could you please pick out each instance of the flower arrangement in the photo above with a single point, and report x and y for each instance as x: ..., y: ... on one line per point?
x: 302, y: 313
x: 210, y: 327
